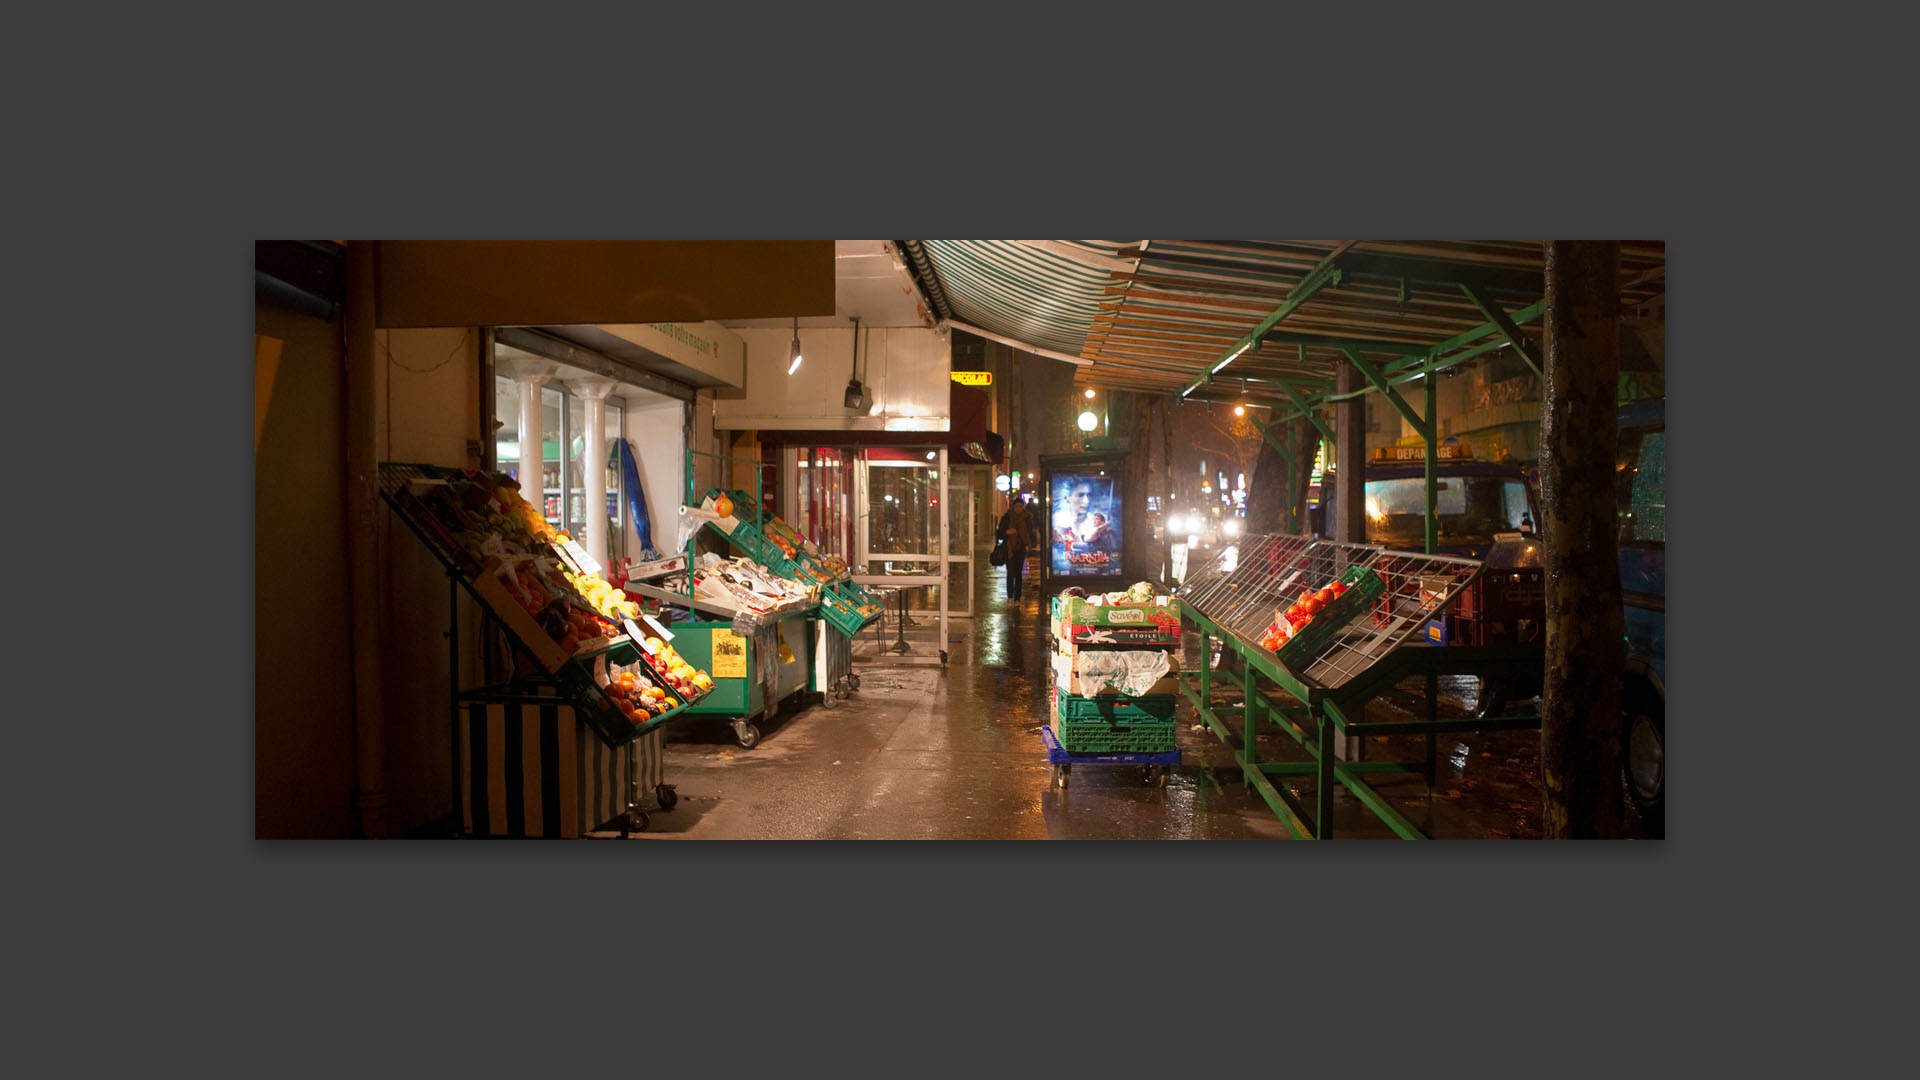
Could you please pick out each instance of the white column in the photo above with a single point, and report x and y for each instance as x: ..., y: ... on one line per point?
x: 532, y: 486
x: 594, y: 392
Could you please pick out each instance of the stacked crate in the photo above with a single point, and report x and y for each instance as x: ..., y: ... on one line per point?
x: 1091, y: 711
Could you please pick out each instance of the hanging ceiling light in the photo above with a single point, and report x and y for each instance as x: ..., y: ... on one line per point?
x: 793, y: 355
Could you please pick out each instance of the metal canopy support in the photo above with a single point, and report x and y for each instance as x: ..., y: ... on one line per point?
x: 1288, y: 337
x: 1380, y: 382
x: 1437, y: 272
x: 1307, y: 409
x: 1499, y: 318
x: 1425, y: 426
x: 1325, y: 274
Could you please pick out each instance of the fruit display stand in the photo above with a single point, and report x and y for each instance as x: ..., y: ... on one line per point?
x: 754, y: 666
x: 541, y: 753
x: 1360, y: 645
x: 1115, y: 658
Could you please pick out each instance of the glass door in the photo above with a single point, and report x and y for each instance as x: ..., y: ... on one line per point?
x: 961, y: 518
x: 902, y: 528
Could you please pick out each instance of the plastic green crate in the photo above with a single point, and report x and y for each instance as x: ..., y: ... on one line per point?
x: 1363, y: 588
x: 1096, y: 738
x: 842, y: 616
x: 1117, y: 708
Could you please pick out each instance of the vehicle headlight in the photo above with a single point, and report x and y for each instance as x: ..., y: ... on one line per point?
x: 1175, y: 525
x: 1230, y: 528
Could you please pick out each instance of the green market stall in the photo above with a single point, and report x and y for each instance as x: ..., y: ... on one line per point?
x: 1342, y: 656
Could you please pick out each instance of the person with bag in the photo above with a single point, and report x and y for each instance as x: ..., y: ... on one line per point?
x: 1014, y: 530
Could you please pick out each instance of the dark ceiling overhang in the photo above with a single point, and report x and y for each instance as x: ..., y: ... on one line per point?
x: 968, y: 439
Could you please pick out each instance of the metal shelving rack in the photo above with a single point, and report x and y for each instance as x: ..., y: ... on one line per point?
x: 1235, y: 596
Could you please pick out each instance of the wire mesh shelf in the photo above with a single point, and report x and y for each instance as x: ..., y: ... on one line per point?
x: 1244, y: 586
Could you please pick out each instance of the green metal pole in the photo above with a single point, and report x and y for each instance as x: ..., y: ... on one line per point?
x: 1206, y: 667
x: 1323, y: 815
x: 1432, y: 431
x: 1249, y: 757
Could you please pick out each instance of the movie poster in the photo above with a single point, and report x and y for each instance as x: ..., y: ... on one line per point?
x: 1085, y: 537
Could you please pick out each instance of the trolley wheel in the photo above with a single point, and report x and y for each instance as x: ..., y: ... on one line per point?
x: 1161, y: 774
x: 746, y: 734
x: 1060, y: 774
x: 856, y: 681
x: 666, y: 796
x: 636, y: 821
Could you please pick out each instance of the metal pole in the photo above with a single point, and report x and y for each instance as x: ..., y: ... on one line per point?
x: 946, y: 574
x: 1432, y: 432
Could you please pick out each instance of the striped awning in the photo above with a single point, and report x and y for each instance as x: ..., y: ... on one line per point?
x: 1163, y: 315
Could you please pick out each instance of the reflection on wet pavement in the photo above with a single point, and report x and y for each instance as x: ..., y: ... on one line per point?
x: 926, y: 752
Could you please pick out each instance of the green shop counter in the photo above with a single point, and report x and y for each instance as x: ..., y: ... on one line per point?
x: 752, y: 674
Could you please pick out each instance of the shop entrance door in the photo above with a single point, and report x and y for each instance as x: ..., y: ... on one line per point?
x: 902, y: 532
x: 962, y: 516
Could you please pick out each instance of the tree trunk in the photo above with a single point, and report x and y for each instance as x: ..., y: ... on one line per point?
x: 1267, y: 491
x: 1580, y: 707
x: 1304, y: 440
x: 1268, y: 510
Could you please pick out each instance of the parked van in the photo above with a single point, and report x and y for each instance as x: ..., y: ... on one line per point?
x: 1476, y: 500
x: 1641, y: 467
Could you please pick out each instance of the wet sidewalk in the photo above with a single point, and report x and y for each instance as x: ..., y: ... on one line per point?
x: 924, y: 751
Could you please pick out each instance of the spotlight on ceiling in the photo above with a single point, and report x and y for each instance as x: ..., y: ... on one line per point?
x: 793, y: 355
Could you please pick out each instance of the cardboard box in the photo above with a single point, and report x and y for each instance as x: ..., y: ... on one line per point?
x: 548, y: 653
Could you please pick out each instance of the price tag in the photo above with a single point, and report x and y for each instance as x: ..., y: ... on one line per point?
x: 583, y: 563
x: 633, y: 631
x: 566, y: 556
x: 665, y: 634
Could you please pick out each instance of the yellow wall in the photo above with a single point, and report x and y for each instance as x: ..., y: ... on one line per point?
x: 303, y: 664
x: 427, y: 408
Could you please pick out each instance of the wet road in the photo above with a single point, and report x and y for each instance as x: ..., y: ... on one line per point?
x: 922, y: 753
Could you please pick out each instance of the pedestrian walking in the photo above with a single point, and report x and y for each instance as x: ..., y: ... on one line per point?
x: 1016, y: 527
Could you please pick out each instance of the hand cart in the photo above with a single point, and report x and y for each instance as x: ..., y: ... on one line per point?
x: 1155, y: 767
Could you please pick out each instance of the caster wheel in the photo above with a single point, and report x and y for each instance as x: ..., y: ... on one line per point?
x: 1160, y: 778
x: 637, y: 821
x: 856, y: 681
x: 1060, y: 773
x: 746, y: 735
x: 667, y: 797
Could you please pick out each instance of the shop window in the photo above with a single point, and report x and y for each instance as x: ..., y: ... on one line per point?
x: 562, y: 425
